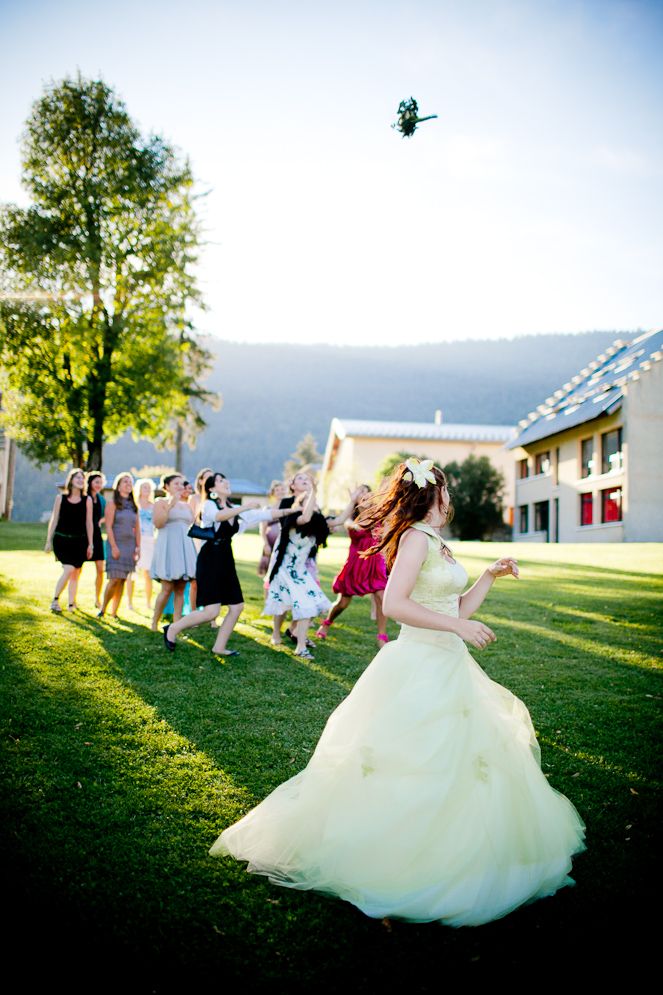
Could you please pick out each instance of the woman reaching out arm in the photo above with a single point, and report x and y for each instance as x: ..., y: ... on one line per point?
x: 360, y: 574
x: 291, y: 584
x: 215, y: 570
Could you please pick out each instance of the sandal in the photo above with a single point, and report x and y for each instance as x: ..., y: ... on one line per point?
x: 55, y: 607
x: 305, y: 654
x: 293, y: 639
x: 322, y: 633
x: 383, y: 639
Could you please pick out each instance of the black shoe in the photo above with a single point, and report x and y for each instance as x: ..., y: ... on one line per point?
x: 227, y: 653
x: 293, y: 639
x: 168, y: 644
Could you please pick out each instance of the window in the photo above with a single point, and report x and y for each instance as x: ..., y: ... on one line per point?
x: 586, y: 508
x: 542, y: 462
x: 611, y: 505
x: 522, y: 469
x: 611, y: 450
x: 541, y: 516
x: 523, y: 518
x: 586, y: 457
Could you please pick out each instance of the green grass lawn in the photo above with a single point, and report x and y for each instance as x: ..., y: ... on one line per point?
x: 122, y: 764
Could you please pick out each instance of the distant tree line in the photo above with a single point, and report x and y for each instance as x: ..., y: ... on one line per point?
x: 478, y: 382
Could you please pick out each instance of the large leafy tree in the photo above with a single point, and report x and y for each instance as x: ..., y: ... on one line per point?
x: 97, y: 281
x: 476, y: 489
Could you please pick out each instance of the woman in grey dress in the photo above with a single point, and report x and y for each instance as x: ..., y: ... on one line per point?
x: 123, y: 530
x: 174, y: 560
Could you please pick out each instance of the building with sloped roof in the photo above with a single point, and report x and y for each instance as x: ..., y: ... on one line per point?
x: 355, y: 449
x: 589, y: 460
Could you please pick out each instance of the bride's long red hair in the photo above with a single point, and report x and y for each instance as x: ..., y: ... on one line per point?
x: 396, y: 507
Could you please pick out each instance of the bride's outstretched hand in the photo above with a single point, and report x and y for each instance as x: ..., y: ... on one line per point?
x: 504, y: 567
x: 475, y: 633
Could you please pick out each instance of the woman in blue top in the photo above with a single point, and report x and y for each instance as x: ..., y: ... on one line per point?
x: 144, y: 498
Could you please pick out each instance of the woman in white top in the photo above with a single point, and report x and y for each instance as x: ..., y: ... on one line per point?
x: 215, y: 572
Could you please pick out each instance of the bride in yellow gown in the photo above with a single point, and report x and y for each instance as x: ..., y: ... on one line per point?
x: 424, y: 799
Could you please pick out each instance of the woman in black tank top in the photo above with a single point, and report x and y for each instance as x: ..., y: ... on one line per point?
x: 70, y: 535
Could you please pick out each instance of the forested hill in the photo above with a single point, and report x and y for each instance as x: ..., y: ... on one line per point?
x: 274, y: 394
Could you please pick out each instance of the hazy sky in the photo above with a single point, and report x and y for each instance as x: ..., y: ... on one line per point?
x: 532, y: 204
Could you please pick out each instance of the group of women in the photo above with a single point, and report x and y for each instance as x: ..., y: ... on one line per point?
x: 152, y: 536
x: 74, y: 536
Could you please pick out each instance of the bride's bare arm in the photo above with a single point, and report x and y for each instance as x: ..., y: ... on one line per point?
x: 398, y: 604
x: 471, y: 601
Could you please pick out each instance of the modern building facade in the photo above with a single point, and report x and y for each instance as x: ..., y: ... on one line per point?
x: 589, y: 460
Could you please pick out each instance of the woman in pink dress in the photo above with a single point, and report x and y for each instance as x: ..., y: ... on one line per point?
x: 360, y: 575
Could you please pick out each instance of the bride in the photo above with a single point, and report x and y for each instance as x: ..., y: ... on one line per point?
x: 424, y: 799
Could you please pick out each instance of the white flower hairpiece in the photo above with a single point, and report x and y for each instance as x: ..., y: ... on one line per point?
x: 420, y: 471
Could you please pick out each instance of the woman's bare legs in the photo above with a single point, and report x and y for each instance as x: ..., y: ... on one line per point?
x: 130, y: 594
x: 276, y: 630
x: 226, y: 628
x: 98, y: 582
x: 117, y: 597
x: 178, y: 599
x: 67, y: 571
x: 193, y: 591
x: 73, y: 586
x: 148, y: 587
x: 341, y: 603
x: 112, y: 592
x: 193, y: 619
x: 302, y: 635
x: 167, y: 587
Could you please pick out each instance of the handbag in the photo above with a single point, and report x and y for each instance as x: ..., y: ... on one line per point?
x: 207, y: 532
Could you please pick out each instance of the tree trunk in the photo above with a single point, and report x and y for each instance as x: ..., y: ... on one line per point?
x: 179, y: 436
x: 11, y: 469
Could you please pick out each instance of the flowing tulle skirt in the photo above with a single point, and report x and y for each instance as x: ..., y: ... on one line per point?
x: 424, y: 799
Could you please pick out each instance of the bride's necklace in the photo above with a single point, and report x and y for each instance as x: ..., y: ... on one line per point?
x: 436, y: 528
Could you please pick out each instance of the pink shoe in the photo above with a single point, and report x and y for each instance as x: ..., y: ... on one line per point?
x: 383, y: 639
x: 322, y: 633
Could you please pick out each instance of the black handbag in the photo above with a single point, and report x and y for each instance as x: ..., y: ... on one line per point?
x: 208, y: 532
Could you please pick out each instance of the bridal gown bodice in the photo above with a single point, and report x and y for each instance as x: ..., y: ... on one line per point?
x: 438, y: 588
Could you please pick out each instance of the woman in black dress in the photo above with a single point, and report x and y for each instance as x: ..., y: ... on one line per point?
x: 215, y: 570
x: 95, y: 484
x: 70, y: 535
